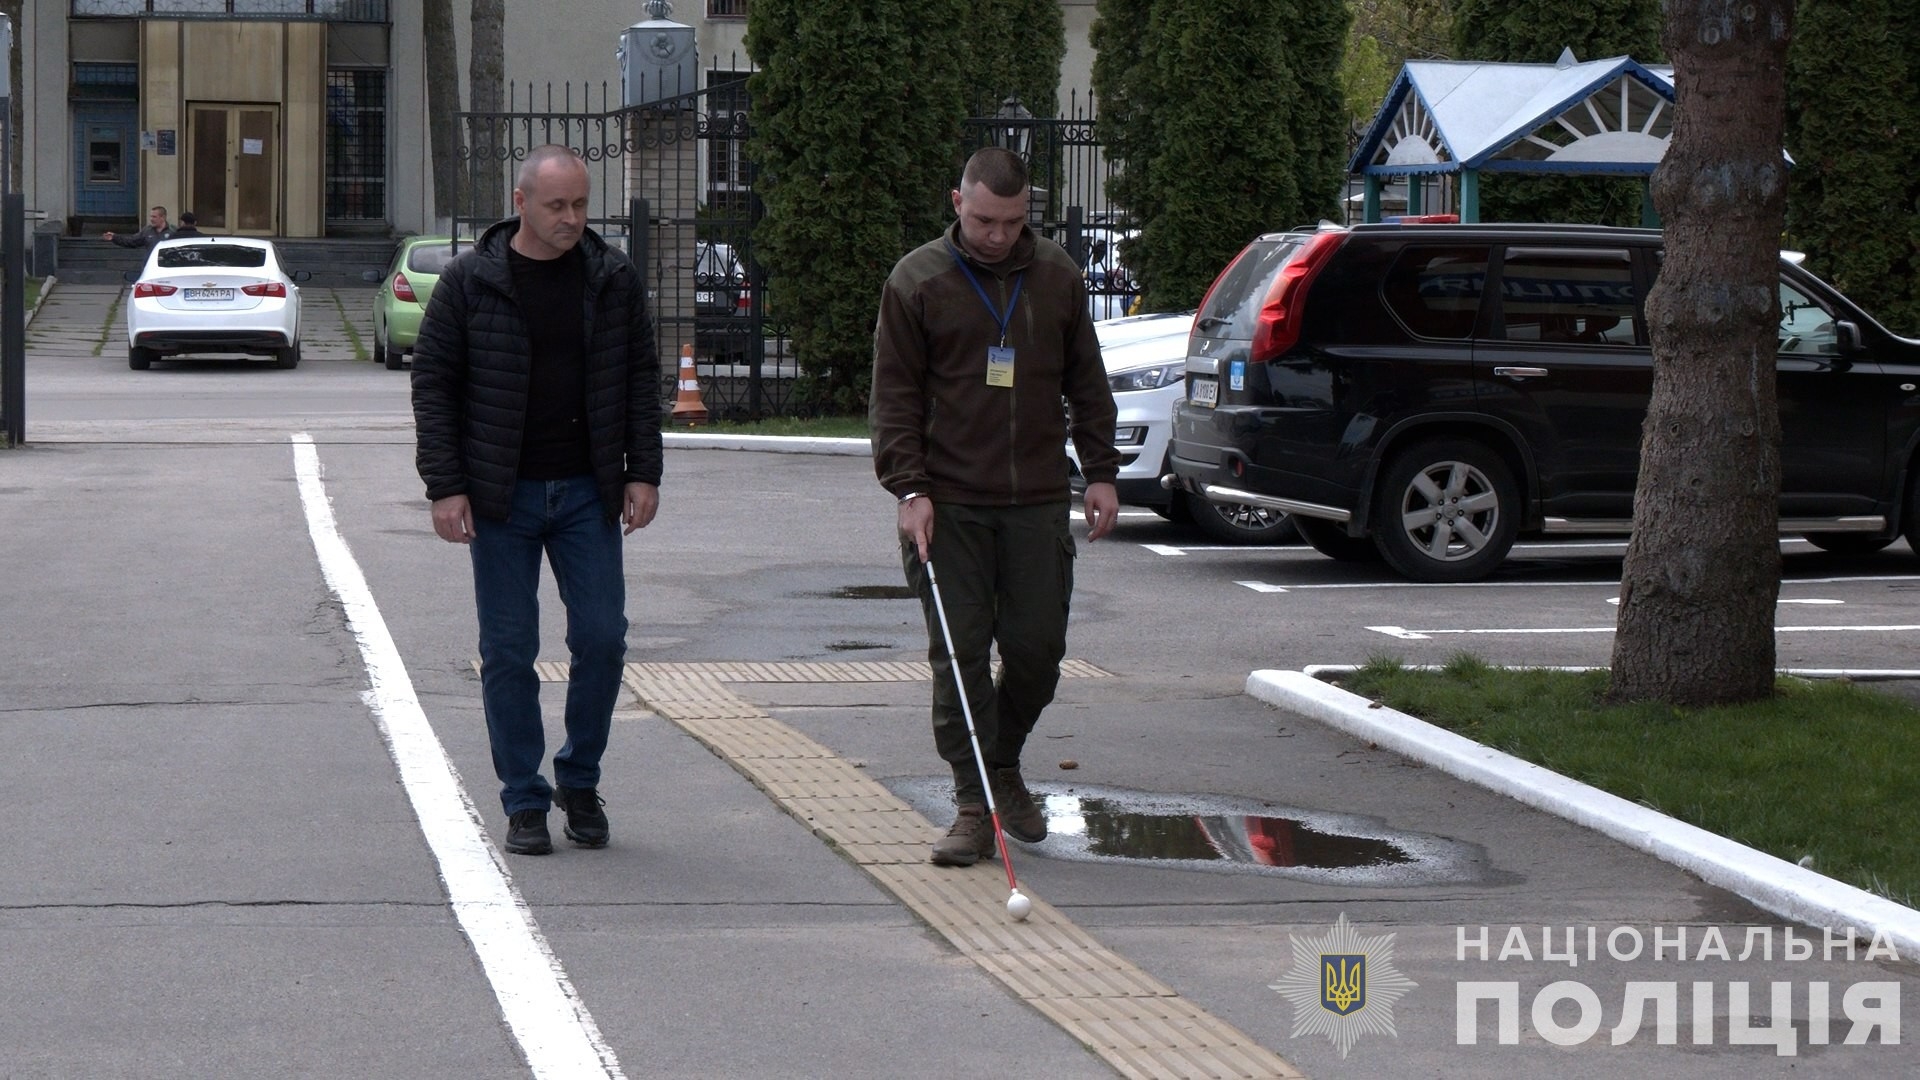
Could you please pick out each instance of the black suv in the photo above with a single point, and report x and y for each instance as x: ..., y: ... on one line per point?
x: 1426, y: 393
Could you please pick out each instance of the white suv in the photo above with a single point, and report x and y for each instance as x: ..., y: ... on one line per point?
x: 1145, y: 358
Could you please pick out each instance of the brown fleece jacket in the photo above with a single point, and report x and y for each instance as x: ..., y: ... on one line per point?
x: 938, y: 428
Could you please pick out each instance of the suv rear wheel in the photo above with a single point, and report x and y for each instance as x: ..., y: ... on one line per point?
x: 1446, y: 510
x: 1330, y: 538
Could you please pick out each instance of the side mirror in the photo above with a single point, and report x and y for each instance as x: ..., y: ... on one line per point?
x: 1846, y: 337
x: 371, y: 277
x: 300, y: 275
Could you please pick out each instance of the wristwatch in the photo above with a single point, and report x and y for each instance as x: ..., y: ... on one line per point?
x: 912, y: 495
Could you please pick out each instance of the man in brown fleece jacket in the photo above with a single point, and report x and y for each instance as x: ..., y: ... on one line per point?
x: 981, y: 333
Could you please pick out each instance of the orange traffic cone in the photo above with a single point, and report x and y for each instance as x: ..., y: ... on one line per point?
x: 687, y: 404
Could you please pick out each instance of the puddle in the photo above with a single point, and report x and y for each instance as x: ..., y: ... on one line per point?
x: 1221, y: 834
x: 866, y: 592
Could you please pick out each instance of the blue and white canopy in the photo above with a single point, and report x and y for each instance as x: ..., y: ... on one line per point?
x: 1607, y: 117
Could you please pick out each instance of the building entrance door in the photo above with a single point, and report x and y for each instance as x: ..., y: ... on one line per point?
x: 233, y: 168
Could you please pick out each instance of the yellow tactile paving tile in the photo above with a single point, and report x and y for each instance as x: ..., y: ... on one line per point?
x: 1138, y: 1025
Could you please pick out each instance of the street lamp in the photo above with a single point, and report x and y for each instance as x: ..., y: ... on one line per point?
x: 1013, y: 127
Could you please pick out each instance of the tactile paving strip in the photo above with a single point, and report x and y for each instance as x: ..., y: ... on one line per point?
x: 1136, y: 1023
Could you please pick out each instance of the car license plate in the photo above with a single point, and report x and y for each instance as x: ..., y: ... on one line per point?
x: 206, y: 294
x: 706, y: 298
x: 1205, y: 392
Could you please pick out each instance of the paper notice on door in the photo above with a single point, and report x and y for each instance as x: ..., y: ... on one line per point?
x: 253, y: 146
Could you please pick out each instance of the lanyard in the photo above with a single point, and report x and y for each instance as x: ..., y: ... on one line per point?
x: 1003, y: 319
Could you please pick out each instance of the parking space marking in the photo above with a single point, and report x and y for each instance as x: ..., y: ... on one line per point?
x: 543, y: 1012
x: 1405, y: 634
x: 1271, y: 587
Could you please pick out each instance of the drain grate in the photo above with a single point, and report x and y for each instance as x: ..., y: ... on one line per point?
x: 1136, y: 1023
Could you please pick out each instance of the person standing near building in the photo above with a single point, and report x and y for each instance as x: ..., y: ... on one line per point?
x: 156, y: 230
x: 189, y: 226
x: 536, y: 401
x: 981, y: 333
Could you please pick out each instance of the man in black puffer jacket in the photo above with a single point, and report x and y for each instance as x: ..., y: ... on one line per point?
x: 536, y: 400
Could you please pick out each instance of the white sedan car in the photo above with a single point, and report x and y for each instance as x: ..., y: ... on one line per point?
x: 1146, y: 362
x: 225, y: 294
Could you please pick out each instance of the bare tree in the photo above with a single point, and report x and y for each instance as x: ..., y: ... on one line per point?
x: 1702, y: 572
x: 443, y: 102
x: 486, y: 70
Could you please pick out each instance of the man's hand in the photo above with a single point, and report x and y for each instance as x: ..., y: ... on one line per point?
x: 643, y: 501
x: 1102, y: 506
x: 106, y: 235
x: 916, y: 523
x: 453, y: 519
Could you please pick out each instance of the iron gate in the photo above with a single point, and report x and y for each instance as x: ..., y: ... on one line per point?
x: 678, y: 166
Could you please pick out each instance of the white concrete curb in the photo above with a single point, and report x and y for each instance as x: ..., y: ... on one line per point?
x: 1776, y: 885
x: 771, y: 444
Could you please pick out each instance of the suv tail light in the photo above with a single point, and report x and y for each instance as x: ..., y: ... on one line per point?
x: 1278, y: 328
x: 403, y: 289
x: 264, y: 288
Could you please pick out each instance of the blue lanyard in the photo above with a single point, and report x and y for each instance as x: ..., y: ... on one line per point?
x: 999, y: 317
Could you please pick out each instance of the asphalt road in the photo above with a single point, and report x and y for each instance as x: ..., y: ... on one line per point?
x: 217, y: 870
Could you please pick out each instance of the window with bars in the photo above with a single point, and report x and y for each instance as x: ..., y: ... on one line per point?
x: 374, y: 11
x: 727, y: 135
x: 726, y: 9
x: 356, y: 144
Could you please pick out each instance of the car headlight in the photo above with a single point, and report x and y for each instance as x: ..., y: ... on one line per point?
x: 1152, y: 378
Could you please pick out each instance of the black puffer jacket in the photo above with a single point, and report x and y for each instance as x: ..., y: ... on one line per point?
x: 472, y: 362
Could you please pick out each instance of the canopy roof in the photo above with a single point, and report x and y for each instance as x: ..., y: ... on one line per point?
x: 1611, y: 116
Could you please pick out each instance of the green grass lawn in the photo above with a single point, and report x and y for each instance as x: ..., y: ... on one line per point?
x: 1823, y: 769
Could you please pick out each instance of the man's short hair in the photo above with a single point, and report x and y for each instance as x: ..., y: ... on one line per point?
x: 1000, y: 169
x: 537, y: 158
x: 162, y: 209
x: 187, y: 218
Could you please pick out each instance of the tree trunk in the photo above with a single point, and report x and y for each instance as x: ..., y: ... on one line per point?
x: 485, y: 73
x: 1702, y: 573
x: 443, y: 102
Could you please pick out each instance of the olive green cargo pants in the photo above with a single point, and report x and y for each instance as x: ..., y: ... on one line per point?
x: 1006, y: 579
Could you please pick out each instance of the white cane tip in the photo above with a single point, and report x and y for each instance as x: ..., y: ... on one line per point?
x: 1019, y: 906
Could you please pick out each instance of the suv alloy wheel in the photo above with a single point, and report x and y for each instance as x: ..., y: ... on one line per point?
x: 1447, y: 510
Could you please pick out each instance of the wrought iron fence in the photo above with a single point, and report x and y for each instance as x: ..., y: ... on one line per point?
x: 672, y: 186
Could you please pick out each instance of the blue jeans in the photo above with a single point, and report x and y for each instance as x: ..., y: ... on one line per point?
x: 566, y: 520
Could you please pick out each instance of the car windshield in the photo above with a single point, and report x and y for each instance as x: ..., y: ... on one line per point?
x: 431, y: 258
x: 187, y: 257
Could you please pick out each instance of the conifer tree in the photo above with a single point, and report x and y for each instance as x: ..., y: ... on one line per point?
x: 857, y: 106
x: 1536, y: 32
x: 1853, y: 129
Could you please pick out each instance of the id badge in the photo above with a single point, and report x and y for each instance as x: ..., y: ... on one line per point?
x: 999, y: 365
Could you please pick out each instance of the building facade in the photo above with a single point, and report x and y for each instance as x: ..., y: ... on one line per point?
x: 306, y: 118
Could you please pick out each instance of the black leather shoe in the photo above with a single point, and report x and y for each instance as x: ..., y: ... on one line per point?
x: 527, y: 833
x: 586, y: 822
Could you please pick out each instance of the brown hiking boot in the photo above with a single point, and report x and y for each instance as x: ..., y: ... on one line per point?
x: 1019, y: 815
x: 970, y: 839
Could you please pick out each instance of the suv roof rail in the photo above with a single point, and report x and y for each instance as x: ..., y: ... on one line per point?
x: 1512, y: 227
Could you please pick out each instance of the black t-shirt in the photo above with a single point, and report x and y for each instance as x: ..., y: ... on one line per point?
x: 552, y: 294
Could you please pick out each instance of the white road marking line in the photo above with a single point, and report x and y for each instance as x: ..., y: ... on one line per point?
x: 546, y: 1016
x: 1405, y: 634
x: 1164, y: 549
x: 1304, y: 586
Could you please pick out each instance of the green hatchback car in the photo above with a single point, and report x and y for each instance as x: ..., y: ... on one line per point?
x: 403, y: 293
